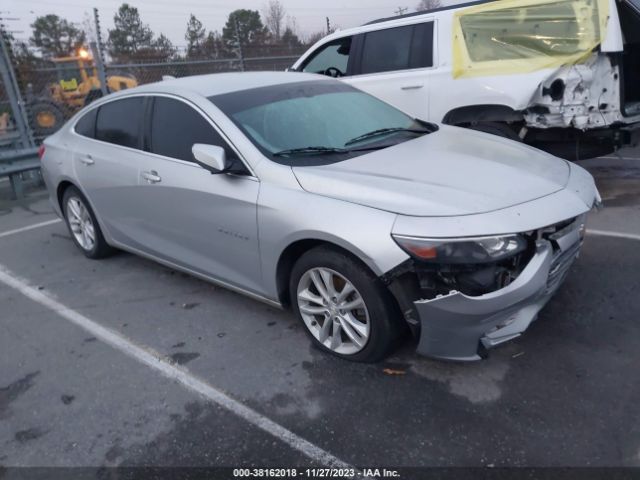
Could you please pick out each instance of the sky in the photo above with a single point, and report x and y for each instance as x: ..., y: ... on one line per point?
x: 170, y: 16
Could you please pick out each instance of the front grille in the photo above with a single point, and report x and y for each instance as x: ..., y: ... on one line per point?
x: 560, y: 266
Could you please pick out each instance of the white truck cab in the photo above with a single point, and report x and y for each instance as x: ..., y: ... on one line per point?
x: 562, y: 75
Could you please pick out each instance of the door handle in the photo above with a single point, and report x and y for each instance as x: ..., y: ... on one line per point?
x: 412, y: 87
x: 87, y: 160
x: 152, y: 176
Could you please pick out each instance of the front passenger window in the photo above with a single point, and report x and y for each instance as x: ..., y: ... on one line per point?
x: 332, y: 59
x: 176, y: 127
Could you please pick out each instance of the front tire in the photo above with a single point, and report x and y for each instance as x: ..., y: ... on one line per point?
x: 46, y: 117
x: 345, y: 308
x: 83, y: 226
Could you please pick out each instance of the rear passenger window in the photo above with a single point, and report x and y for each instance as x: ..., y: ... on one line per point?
x: 175, y: 127
x: 119, y: 122
x: 422, y: 46
x: 387, y: 50
x: 398, y: 48
x: 86, y: 126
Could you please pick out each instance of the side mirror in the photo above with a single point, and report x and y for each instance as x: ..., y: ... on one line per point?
x: 211, y: 157
x: 291, y: 69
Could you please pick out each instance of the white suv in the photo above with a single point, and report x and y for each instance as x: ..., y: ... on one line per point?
x: 562, y: 75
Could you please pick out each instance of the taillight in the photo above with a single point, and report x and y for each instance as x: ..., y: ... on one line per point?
x: 41, y: 152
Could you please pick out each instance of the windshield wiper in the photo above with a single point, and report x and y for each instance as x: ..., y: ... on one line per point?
x: 293, y: 151
x: 319, y: 150
x: 383, y: 131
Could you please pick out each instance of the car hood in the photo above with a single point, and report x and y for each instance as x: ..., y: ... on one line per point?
x: 450, y: 172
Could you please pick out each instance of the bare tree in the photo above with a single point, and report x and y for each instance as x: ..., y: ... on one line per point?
x: 274, y: 15
x: 428, y: 5
x: 195, y: 36
x: 292, y: 24
x: 88, y: 27
x: 313, y: 37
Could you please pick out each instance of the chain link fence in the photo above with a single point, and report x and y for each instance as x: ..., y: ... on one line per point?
x: 9, y: 133
x: 52, y: 91
x: 38, y: 96
x: 14, y: 129
x: 18, y: 160
x: 270, y: 58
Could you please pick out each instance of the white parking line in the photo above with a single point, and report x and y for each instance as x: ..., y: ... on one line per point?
x: 154, y: 360
x: 621, y: 158
x: 604, y: 233
x: 30, y: 227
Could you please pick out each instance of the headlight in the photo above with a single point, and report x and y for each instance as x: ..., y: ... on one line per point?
x: 462, y: 250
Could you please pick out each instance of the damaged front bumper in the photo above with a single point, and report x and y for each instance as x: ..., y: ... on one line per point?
x: 459, y: 327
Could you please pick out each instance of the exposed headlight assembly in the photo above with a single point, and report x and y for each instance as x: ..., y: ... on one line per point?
x: 467, y: 250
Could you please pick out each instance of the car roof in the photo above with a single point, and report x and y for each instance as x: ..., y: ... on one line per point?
x: 387, y: 22
x: 429, y: 10
x: 221, y: 83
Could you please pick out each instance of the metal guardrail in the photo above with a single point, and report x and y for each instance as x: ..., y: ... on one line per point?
x: 14, y: 163
x: 19, y: 154
x: 15, y: 170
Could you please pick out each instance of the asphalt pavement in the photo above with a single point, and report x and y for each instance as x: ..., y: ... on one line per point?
x: 237, y: 383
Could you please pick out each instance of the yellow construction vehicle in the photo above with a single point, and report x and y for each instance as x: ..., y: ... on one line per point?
x: 77, y: 85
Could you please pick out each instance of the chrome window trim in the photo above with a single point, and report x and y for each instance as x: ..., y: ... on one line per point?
x: 409, y: 70
x: 364, y: 30
x: 252, y: 175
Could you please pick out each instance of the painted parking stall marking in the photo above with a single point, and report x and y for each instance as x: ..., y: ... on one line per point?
x: 30, y: 227
x: 157, y: 362
x: 605, y: 233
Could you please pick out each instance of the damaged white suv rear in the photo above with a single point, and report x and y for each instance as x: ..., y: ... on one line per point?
x: 561, y: 75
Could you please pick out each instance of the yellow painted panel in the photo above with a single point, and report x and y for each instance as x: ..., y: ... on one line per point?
x: 520, y: 36
x: 69, y: 84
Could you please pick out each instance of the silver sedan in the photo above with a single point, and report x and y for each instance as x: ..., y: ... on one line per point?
x: 302, y: 191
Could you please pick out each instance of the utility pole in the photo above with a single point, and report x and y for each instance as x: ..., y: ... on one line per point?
x: 98, y: 54
x: 328, y: 26
x: 238, y: 39
x: 100, y: 45
x: 401, y: 10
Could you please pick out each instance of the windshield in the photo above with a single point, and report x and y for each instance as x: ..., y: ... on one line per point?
x: 317, y: 122
x: 69, y: 72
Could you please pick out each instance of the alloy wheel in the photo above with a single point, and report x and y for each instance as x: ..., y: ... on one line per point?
x: 333, y: 310
x: 80, y: 223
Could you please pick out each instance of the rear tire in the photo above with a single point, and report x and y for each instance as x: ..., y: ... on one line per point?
x: 361, y: 326
x: 83, y: 226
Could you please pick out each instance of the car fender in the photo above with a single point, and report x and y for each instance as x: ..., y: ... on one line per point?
x: 287, y: 215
